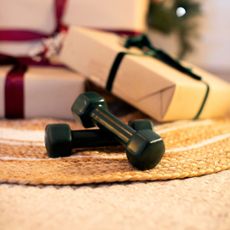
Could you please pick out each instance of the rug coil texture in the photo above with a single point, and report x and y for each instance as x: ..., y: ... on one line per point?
x: 193, y: 148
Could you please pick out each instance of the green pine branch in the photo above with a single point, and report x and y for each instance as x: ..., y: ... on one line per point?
x: 165, y: 20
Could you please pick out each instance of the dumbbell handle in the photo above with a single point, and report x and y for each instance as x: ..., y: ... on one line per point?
x: 92, y: 138
x: 107, y: 120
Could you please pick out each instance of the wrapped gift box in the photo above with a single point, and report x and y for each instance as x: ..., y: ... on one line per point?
x: 38, y: 91
x: 41, y: 18
x: 148, y: 84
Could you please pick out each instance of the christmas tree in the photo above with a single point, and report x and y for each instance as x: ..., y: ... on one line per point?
x: 175, y: 16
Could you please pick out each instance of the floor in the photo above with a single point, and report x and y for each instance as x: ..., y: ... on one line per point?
x: 191, y: 204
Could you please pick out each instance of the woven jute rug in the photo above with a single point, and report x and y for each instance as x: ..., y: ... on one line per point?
x: 193, y: 148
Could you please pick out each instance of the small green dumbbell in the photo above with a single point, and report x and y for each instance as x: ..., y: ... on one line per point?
x: 144, y: 148
x: 141, y: 124
x: 60, y: 139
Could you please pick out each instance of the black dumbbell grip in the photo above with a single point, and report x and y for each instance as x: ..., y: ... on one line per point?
x: 92, y: 138
x: 111, y: 123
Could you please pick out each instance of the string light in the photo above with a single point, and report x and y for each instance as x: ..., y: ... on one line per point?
x: 180, y: 12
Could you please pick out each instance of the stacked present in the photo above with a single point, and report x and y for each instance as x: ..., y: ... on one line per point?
x: 38, y: 91
x: 129, y: 67
x: 32, y: 82
x: 145, y: 77
x: 26, y: 27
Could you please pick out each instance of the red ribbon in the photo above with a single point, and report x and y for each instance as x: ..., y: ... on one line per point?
x: 59, y: 12
x: 14, y: 84
x: 26, y: 35
x: 20, y: 35
x: 14, y: 92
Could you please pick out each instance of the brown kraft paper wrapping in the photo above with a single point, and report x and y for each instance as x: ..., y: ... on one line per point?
x: 148, y: 84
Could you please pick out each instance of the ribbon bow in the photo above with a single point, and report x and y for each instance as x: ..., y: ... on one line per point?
x: 142, y: 42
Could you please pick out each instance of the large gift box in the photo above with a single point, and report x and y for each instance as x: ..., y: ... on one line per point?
x: 24, y: 22
x: 38, y: 91
x: 149, y: 84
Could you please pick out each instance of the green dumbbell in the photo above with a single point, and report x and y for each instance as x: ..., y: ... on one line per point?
x: 144, y: 148
x: 60, y: 140
x: 141, y: 124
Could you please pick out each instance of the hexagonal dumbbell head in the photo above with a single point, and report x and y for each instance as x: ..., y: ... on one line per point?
x: 145, y: 149
x: 138, y: 153
x: 58, y: 140
x: 141, y: 124
x: 83, y: 106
